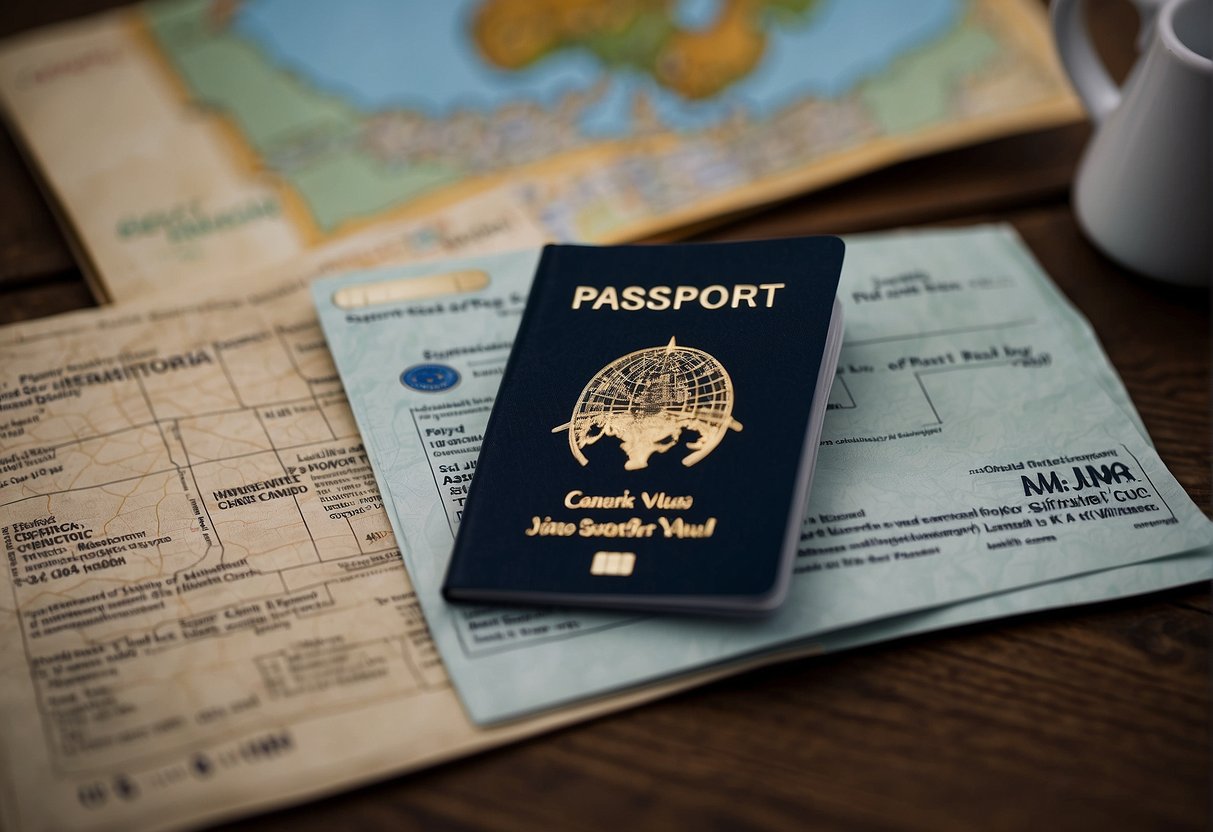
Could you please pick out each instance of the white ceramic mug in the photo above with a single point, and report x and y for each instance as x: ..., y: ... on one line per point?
x: 1144, y: 192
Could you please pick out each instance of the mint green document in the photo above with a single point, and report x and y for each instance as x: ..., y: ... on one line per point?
x: 980, y: 457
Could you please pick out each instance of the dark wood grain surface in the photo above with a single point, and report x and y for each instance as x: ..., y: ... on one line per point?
x: 1086, y: 718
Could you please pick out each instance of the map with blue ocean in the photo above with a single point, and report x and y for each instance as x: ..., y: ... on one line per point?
x: 612, y: 120
x: 380, y: 59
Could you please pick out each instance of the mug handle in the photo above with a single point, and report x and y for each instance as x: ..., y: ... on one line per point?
x: 1095, y: 87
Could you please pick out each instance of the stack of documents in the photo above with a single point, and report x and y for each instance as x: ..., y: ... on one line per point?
x: 977, y: 442
x: 208, y: 609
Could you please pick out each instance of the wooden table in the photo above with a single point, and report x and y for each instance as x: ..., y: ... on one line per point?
x: 1094, y: 717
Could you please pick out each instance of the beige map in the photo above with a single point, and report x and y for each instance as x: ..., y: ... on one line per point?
x: 194, y: 138
x: 202, y: 607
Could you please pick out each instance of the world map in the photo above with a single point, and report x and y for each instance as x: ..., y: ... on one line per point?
x: 614, y: 120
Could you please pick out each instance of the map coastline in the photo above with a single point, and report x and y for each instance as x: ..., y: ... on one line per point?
x: 612, y: 216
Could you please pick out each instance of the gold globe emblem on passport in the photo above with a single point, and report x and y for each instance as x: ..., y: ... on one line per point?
x: 648, y: 398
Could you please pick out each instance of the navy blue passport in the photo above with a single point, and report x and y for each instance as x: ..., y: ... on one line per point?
x: 653, y: 440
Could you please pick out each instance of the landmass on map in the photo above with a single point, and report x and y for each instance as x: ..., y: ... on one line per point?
x: 645, y: 35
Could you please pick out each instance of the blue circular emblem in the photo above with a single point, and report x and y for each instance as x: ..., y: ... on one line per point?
x: 430, y: 378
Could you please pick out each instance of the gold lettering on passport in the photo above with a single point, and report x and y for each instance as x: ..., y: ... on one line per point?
x: 648, y: 398
x: 578, y: 499
x: 680, y: 528
x: 661, y: 500
x: 547, y: 527
x: 633, y: 527
x: 664, y: 501
x: 660, y: 298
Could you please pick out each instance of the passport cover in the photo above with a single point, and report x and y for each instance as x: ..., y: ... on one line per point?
x: 652, y: 442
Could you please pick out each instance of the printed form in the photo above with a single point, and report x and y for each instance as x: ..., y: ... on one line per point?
x: 977, y: 441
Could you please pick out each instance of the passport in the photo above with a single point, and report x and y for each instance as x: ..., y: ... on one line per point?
x: 653, y: 440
